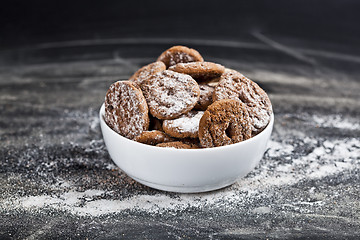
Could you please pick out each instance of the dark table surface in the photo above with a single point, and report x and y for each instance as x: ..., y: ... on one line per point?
x: 58, y: 181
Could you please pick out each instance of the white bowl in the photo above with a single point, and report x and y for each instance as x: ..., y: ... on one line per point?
x: 185, y: 170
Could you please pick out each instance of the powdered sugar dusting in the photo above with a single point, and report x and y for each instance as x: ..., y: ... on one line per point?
x: 170, y: 94
x: 126, y: 110
x: 236, y: 86
x: 187, y: 123
x: 206, y: 93
x: 278, y: 168
x: 201, y: 71
x: 336, y: 121
x: 179, y: 54
x: 147, y: 71
x: 179, y: 57
x: 296, y: 158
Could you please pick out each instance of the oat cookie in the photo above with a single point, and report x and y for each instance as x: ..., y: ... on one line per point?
x: 178, y: 145
x: 147, y: 71
x: 170, y: 94
x: 187, y: 125
x: 224, y: 122
x: 200, y: 71
x: 126, y: 111
x: 206, y: 95
x: 153, y: 137
x: 235, y: 86
x: 179, y: 54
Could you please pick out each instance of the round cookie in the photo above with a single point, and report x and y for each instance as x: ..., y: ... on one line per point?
x: 170, y: 94
x: 206, y: 94
x: 153, y: 137
x: 231, y: 72
x: 178, y: 145
x: 179, y: 54
x: 235, y: 86
x: 224, y: 122
x: 186, y: 126
x: 126, y: 111
x: 147, y: 71
x: 200, y: 71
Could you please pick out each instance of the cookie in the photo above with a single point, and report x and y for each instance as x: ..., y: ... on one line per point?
x: 178, y: 145
x: 200, y: 71
x: 231, y: 72
x: 153, y: 137
x: 179, y: 54
x: 147, y: 71
x: 213, y: 82
x: 206, y: 95
x: 193, y: 142
x: 126, y: 111
x: 170, y: 94
x: 236, y: 86
x: 224, y: 122
x: 187, y: 125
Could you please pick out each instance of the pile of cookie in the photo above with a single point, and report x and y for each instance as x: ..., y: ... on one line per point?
x: 181, y: 101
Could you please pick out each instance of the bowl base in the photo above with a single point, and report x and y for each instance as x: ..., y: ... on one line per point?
x: 185, y: 189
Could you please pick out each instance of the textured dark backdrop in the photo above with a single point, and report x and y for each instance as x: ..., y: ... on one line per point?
x: 28, y: 22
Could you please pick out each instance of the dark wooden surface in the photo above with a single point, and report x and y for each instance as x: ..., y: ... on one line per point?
x: 57, y: 180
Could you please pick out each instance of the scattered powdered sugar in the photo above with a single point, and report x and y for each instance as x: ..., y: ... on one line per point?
x: 279, y: 167
x: 290, y: 159
x: 111, y: 166
x: 94, y: 122
x: 332, y: 157
x: 86, y: 203
x: 277, y: 149
x: 336, y: 121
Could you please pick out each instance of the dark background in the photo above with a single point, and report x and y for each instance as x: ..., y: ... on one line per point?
x: 53, y: 31
x: 24, y: 23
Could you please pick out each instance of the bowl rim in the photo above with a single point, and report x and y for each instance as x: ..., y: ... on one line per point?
x: 270, y: 124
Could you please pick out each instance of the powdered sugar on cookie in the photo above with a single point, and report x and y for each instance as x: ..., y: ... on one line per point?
x: 126, y: 111
x: 206, y: 95
x: 170, y: 94
x: 193, y: 102
x: 147, y: 72
x: 200, y: 71
x: 179, y: 54
x: 185, y: 126
x: 234, y: 85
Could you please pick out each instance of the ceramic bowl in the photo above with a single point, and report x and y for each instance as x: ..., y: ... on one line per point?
x: 184, y: 170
